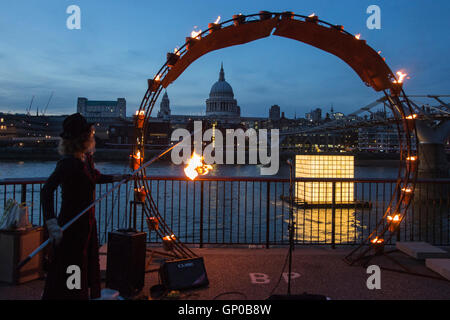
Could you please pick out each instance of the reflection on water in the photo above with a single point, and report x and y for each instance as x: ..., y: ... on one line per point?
x: 316, y: 225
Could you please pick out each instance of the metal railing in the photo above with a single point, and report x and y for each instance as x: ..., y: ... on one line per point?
x: 255, y: 211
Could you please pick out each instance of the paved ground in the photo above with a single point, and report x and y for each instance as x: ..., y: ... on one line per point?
x: 253, y: 273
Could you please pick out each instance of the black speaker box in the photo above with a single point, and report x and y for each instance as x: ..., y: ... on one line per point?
x: 184, y: 274
x: 125, y: 265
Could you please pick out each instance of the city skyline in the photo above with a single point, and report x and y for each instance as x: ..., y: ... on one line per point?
x: 109, y: 57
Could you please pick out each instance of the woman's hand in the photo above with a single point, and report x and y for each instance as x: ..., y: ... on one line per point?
x: 54, y: 230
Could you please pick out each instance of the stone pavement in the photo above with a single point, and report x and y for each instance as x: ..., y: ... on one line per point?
x: 253, y: 273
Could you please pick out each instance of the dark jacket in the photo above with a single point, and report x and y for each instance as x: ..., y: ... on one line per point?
x: 79, y: 245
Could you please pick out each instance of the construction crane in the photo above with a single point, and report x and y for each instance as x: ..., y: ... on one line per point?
x: 48, y: 102
x: 29, y: 108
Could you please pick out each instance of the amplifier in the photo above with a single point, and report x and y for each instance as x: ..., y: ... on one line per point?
x: 125, y: 265
x: 184, y: 274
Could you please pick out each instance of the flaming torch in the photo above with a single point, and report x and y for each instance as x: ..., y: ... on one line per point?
x: 153, y: 223
x: 195, y: 36
x: 140, y: 117
x: 140, y: 194
x: 411, y: 163
x: 407, y: 194
x: 153, y: 84
x: 168, y: 242
x: 401, y: 76
x: 214, y: 26
x: 394, y: 221
x: 196, y: 166
x: 378, y: 245
x: 136, y: 160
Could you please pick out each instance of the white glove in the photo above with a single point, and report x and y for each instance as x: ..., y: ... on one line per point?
x: 54, y: 231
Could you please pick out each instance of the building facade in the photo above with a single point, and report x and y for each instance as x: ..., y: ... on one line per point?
x: 100, y: 111
x: 274, y: 113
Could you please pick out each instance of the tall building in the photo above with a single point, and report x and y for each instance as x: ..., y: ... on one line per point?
x: 221, y: 102
x: 274, y: 113
x: 100, y: 111
x: 316, y: 115
x: 164, y: 107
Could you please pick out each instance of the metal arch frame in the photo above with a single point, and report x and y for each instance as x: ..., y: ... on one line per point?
x: 385, y: 81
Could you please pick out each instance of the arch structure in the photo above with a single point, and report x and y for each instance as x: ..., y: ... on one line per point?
x: 365, y: 61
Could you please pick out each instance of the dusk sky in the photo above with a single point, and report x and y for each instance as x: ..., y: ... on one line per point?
x: 122, y: 43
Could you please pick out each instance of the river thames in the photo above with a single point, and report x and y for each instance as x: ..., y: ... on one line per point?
x: 41, y: 169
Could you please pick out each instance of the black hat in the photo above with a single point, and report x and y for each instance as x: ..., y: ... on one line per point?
x: 74, y: 126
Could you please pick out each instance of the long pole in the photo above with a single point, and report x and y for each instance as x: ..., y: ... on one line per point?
x: 68, y: 224
x: 291, y: 224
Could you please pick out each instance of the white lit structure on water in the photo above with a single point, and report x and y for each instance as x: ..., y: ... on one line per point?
x: 324, y: 166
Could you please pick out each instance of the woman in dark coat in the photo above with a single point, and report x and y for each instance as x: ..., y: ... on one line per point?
x: 78, y: 246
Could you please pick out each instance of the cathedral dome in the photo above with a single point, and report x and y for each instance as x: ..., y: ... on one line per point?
x: 221, y: 88
x: 221, y: 102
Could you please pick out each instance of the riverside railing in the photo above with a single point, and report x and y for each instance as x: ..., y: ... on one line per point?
x: 255, y: 211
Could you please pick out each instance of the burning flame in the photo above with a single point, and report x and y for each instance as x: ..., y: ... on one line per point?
x: 412, y: 158
x: 312, y: 15
x: 401, y: 76
x: 377, y: 240
x: 140, y: 189
x: 196, y: 34
x: 395, y: 218
x: 196, y: 167
x: 379, y: 52
x: 140, y: 113
x: 176, y: 51
x: 407, y: 190
x: 217, y: 20
x: 169, y: 238
x: 158, y: 77
x: 137, y: 156
x: 358, y: 36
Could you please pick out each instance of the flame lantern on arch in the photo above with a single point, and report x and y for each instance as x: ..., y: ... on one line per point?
x: 364, y: 60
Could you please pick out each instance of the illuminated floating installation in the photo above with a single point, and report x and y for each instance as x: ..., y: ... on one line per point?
x: 364, y: 60
x: 324, y: 166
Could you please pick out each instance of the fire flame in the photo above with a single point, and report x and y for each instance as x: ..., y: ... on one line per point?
x: 358, y: 36
x: 140, y: 189
x: 395, y: 218
x: 158, y: 77
x: 137, y: 156
x: 377, y: 240
x: 217, y: 20
x: 196, y: 167
x: 140, y: 113
x: 401, y: 76
x: 411, y: 116
x: 312, y: 15
x: 169, y: 238
x: 176, y: 51
x: 196, y: 34
x: 407, y: 190
x: 412, y: 158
